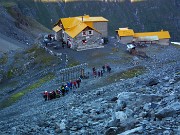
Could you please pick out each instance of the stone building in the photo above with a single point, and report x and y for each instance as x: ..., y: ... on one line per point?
x: 82, y: 32
x: 159, y: 37
x: 125, y: 36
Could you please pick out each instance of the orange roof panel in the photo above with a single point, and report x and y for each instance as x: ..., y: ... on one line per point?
x: 125, y: 32
x: 74, y: 25
x: 57, y: 28
x: 160, y: 34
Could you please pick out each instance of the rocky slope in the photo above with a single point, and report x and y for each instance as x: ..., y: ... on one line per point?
x: 140, y: 96
x: 16, y: 29
x: 146, y: 104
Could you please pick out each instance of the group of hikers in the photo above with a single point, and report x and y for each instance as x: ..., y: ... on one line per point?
x: 100, y: 73
x: 72, y: 85
x: 61, y: 91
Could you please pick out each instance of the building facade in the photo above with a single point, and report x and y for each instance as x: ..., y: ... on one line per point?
x: 82, y: 32
x: 125, y: 36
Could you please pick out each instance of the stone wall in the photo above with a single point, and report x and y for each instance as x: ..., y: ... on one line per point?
x: 125, y: 40
x: 102, y: 27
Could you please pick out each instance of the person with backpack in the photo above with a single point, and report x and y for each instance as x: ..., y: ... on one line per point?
x: 103, y: 68
x: 45, y: 95
x: 74, y: 84
x: 53, y: 94
x: 101, y: 73
x: 71, y: 84
x: 57, y: 93
x: 108, y: 68
x: 63, y: 90
x: 78, y: 82
x: 68, y: 84
x: 66, y: 89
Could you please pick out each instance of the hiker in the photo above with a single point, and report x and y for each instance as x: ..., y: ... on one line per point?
x: 103, y: 68
x: 68, y: 84
x: 80, y: 78
x: 93, y: 69
x: 101, y: 73
x: 108, y: 68
x: 71, y: 84
x: 66, y: 89
x: 45, y: 95
x: 57, y: 93
x: 74, y: 84
x: 95, y: 73
x: 50, y: 95
x: 49, y: 37
x: 78, y: 82
x: 63, y: 90
x: 53, y: 94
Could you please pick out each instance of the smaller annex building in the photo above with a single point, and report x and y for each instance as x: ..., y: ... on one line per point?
x: 126, y: 35
x: 81, y: 32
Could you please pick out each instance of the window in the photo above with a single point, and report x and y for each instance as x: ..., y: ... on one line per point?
x: 90, y: 32
x: 84, y: 33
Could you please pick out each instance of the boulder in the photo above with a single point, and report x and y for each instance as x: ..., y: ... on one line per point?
x: 114, y: 99
x: 120, y: 115
x: 62, y: 125
x: 121, y: 105
x: 111, y: 131
x: 132, y: 131
x: 152, y: 82
x: 169, y: 110
x: 13, y: 130
x: 167, y: 132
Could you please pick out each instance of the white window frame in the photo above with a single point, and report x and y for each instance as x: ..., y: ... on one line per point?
x: 84, y: 32
x: 90, y: 31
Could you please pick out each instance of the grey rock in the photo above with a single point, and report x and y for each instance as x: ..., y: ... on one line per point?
x: 132, y: 131
x: 43, y: 124
x: 166, y: 79
x: 13, y: 130
x: 114, y: 99
x: 152, y: 82
x: 147, y: 106
x: 167, y: 132
x: 121, y: 105
x: 120, y: 115
x: 113, y: 123
x: 169, y: 110
x: 111, y: 131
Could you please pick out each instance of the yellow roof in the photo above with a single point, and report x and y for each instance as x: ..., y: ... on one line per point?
x: 73, y: 21
x: 92, y: 19
x: 74, y: 25
x: 161, y: 34
x: 57, y: 28
x: 125, y: 32
x: 69, y: 22
x: 74, y: 31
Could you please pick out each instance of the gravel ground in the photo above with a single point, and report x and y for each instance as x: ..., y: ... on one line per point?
x: 146, y: 104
